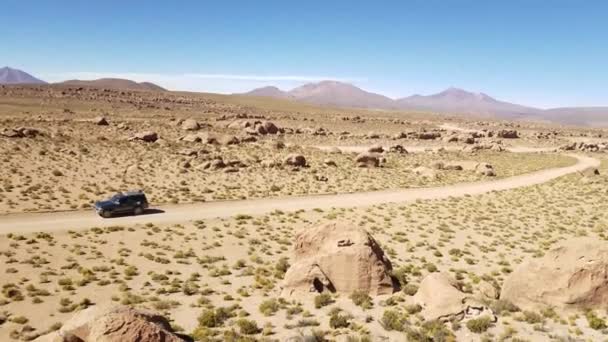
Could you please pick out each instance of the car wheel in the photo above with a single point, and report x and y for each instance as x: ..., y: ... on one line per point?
x: 106, y: 214
x: 138, y: 211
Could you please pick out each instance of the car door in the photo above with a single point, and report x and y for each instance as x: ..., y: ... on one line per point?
x: 123, y: 205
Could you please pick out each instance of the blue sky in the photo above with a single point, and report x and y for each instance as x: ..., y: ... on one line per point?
x: 541, y: 53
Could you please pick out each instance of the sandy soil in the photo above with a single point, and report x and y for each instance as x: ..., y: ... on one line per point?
x: 189, y: 212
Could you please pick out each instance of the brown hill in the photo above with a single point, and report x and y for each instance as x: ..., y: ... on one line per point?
x: 115, y: 83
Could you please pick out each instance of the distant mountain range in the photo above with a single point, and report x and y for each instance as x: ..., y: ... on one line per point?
x: 340, y: 94
x: 451, y: 100
x: 15, y: 76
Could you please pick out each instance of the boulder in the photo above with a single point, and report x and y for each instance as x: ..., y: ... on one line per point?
x: 100, y: 121
x: 229, y: 140
x: 277, y: 144
x: 334, y: 150
x: 329, y: 162
x: 425, y: 172
x: 204, y: 137
x: 108, y: 323
x: 507, y: 134
x: 295, y: 160
x: 590, y: 172
x: 269, y: 163
x: 429, y: 135
x: 376, y: 149
x: 438, y: 165
x: 441, y: 299
x: 145, y: 136
x: 372, y: 135
x: 21, y: 132
x: 485, y: 169
x: 368, y: 159
x: 190, y: 125
x: 453, y: 166
x: 574, y: 275
x: 338, y: 257
x: 397, y: 149
x: 191, y: 138
x: 270, y: 127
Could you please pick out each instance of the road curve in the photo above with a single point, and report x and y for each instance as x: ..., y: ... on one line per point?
x: 171, y: 214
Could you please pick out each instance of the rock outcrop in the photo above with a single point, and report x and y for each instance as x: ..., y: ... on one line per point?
x: 441, y: 299
x: 107, y: 323
x: 573, y: 275
x: 338, y: 257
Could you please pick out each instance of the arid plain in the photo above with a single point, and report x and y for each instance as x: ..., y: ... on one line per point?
x: 276, y: 220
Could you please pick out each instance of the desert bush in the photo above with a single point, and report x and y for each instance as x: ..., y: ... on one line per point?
x: 362, y: 299
x: 247, y: 327
x: 479, y: 325
x: 322, y: 300
x: 269, y: 307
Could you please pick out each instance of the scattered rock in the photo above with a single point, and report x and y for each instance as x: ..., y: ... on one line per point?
x: 329, y: 162
x: 229, y: 140
x: 338, y: 257
x: 100, y: 121
x: 376, y: 149
x: 269, y: 163
x: 590, y: 172
x: 277, y: 144
x: 507, y: 134
x: 190, y: 125
x: 372, y: 135
x: 429, y: 135
x: 270, y: 127
x: 425, y: 172
x: 367, y: 159
x: 145, y: 136
x: 397, y: 149
x: 295, y: 160
x: 334, y: 150
x: 485, y: 169
x: 21, y: 132
x: 572, y: 275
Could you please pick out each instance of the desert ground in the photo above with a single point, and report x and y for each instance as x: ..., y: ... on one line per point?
x: 413, y: 226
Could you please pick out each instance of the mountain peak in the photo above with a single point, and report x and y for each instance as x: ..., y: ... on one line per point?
x: 9, y: 75
x: 461, y: 94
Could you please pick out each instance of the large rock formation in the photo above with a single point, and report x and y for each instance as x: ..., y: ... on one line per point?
x: 368, y: 159
x: 573, y: 275
x: 338, y: 257
x: 107, y: 323
x: 441, y: 299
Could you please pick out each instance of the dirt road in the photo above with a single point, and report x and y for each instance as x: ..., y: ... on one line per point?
x: 170, y: 214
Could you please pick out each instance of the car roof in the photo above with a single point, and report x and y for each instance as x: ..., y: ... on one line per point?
x: 139, y: 193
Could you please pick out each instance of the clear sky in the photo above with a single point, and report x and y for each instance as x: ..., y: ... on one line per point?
x: 542, y: 53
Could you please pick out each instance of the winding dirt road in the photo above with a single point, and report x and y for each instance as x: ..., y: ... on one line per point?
x: 171, y: 214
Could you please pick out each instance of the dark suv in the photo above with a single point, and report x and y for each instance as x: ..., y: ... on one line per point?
x: 134, y: 202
